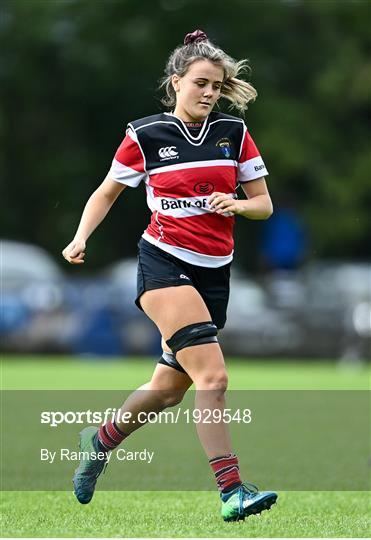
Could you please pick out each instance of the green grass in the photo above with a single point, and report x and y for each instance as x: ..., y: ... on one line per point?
x: 165, y: 514
x: 181, y: 514
x: 65, y: 373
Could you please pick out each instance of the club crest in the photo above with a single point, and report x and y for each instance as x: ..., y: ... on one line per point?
x: 225, y: 147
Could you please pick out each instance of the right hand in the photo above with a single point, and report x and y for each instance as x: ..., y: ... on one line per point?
x: 74, y: 253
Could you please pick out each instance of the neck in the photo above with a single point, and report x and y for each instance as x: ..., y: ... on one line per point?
x: 182, y: 115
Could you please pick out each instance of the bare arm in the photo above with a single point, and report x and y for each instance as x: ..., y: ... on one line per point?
x: 94, y: 212
x: 258, y: 204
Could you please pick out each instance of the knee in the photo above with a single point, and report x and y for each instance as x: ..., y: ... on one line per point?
x: 216, y: 381
x: 174, y: 399
x: 170, y: 398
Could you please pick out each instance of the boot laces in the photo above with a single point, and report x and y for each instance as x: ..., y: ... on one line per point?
x: 250, y: 489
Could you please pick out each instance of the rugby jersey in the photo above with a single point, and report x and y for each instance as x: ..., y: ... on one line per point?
x: 180, y: 171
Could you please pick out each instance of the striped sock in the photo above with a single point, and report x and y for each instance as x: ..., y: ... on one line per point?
x: 109, y: 436
x: 227, y: 472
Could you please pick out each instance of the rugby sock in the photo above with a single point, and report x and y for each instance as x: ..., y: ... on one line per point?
x: 227, y: 472
x: 109, y: 436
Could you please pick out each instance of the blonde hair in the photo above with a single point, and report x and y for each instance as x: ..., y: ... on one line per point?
x: 198, y: 47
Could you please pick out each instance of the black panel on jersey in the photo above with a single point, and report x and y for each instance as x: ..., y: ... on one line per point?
x: 166, y: 141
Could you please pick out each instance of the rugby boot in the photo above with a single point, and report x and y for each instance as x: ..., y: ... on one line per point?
x: 90, y: 467
x: 244, y: 501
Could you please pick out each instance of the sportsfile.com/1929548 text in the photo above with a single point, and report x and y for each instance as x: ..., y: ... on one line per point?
x: 195, y: 416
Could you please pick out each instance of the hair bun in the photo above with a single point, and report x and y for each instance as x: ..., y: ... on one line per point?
x: 195, y: 37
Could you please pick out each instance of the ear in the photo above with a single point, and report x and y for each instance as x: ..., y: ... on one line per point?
x: 175, y: 81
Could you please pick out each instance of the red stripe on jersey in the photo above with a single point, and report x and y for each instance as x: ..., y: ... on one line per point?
x: 209, y: 234
x: 129, y: 154
x: 249, y: 149
x: 194, y: 182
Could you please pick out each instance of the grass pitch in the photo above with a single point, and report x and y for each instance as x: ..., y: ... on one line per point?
x: 181, y: 514
x: 192, y: 514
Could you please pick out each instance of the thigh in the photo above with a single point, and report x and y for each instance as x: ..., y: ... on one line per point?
x: 173, y: 308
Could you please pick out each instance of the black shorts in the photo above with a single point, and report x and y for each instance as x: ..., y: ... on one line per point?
x: 158, y: 269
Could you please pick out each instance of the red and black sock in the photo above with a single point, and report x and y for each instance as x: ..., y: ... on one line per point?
x: 227, y: 472
x: 109, y: 436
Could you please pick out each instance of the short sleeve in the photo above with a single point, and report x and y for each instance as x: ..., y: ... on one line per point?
x: 128, y: 165
x: 250, y: 163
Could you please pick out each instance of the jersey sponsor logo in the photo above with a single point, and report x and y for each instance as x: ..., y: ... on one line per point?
x: 204, y: 188
x: 168, y: 152
x: 225, y: 147
x: 181, y: 207
x: 177, y: 204
x: 259, y: 167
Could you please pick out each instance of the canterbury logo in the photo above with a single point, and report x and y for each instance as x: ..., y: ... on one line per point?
x: 168, y: 152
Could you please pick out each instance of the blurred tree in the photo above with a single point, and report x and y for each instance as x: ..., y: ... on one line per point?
x: 74, y: 72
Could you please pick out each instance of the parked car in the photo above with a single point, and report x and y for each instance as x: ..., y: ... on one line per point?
x: 338, y: 297
x: 32, y: 296
x: 254, y: 327
x: 332, y: 304
x: 141, y: 335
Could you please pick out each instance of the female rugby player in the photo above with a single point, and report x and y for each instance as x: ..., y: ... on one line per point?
x: 191, y: 161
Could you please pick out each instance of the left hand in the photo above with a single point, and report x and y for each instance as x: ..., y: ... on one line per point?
x: 223, y: 203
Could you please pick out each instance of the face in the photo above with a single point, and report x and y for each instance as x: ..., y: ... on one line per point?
x: 198, y: 90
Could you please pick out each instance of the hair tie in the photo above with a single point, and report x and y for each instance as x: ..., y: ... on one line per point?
x: 195, y: 37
